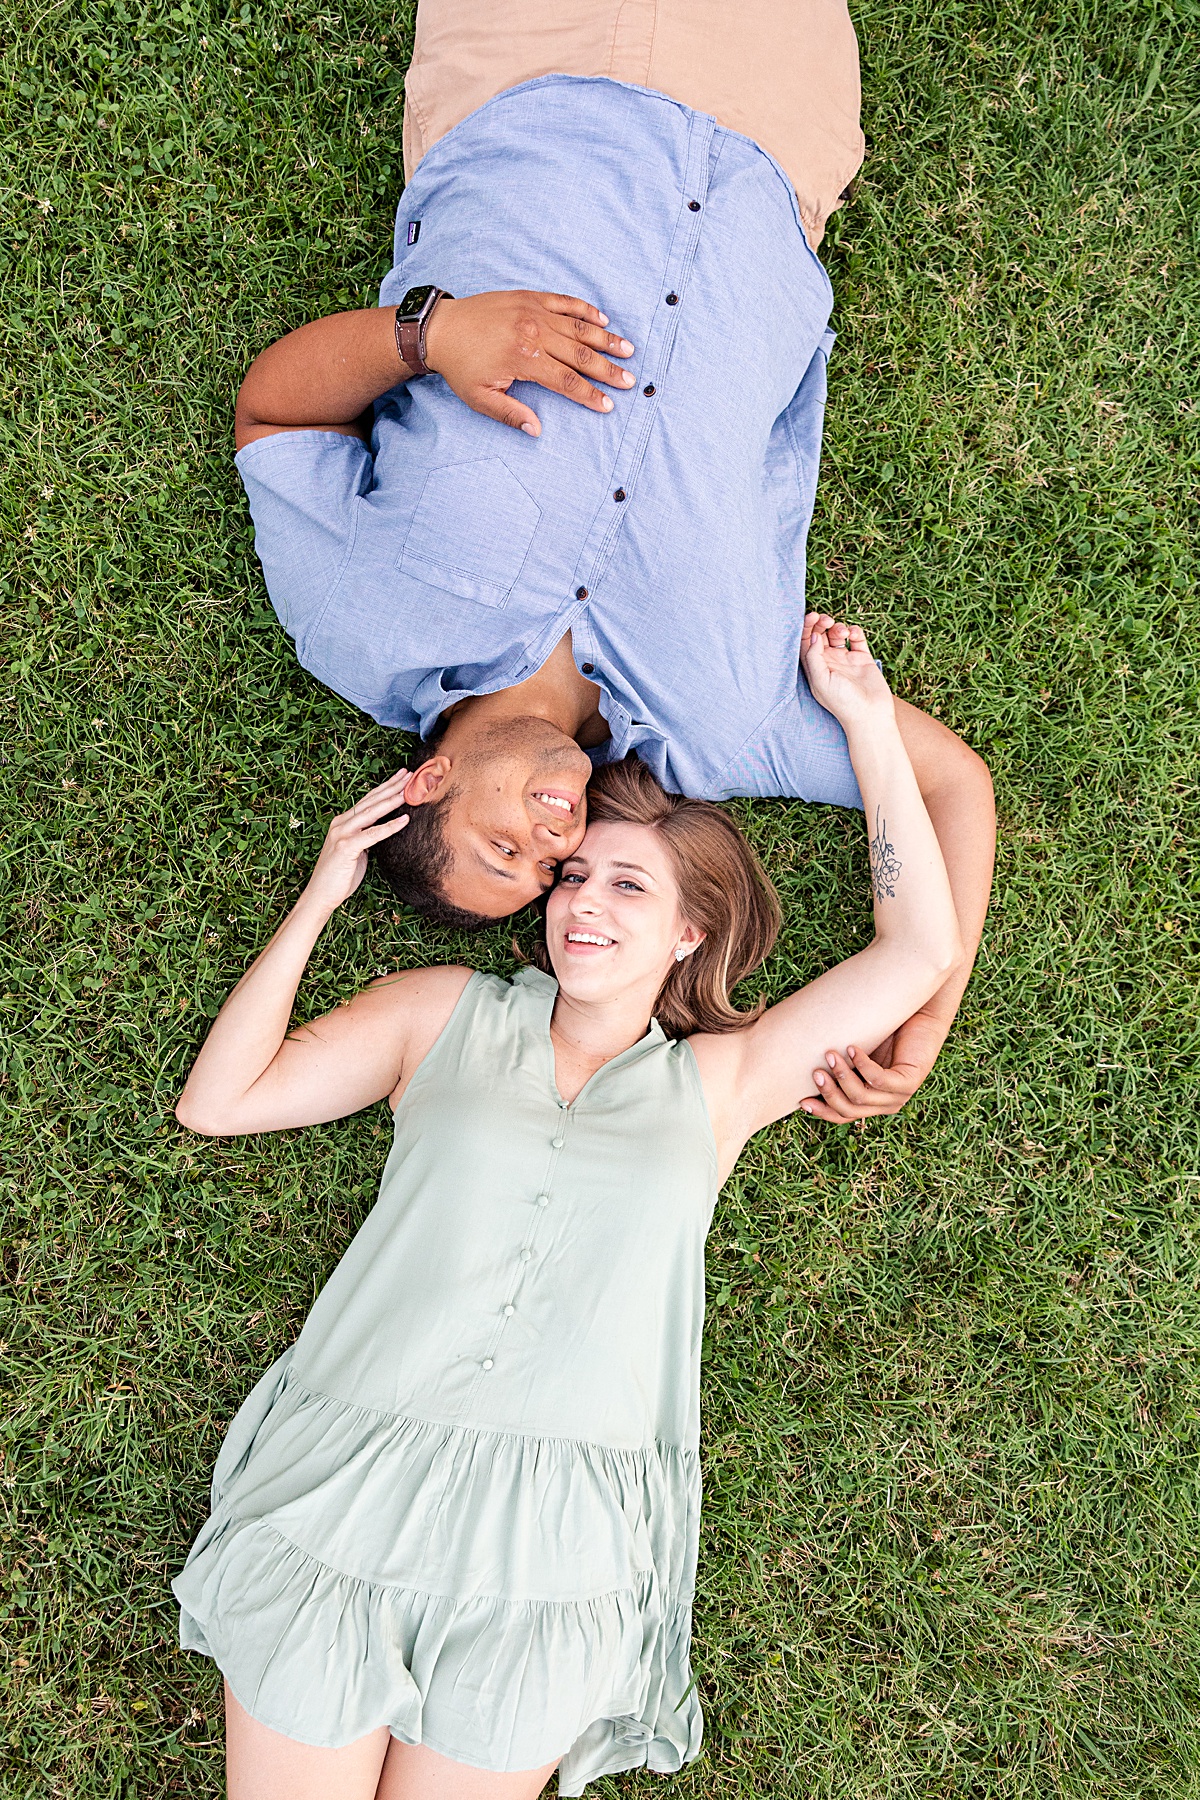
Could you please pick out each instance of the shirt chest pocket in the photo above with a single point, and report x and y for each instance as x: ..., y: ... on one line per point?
x: 471, y: 531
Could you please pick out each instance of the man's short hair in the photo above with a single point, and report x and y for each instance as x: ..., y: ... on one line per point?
x: 414, y: 863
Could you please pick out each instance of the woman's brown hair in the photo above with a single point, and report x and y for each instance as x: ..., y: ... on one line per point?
x: 723, y: 890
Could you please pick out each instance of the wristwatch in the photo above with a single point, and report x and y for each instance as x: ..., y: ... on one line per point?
x: 412, y: 321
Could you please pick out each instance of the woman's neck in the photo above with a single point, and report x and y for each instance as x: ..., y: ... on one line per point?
x: 585, y: 1037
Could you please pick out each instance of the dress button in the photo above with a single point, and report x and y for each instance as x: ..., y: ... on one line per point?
x: 620, y: 494
x: 588, y: 668
x: 487, y: 1362
x: 672, y: 299
x: 650, y: 390
x: 509, y: 1311
x: 581, y: 593
x: 693, y: 206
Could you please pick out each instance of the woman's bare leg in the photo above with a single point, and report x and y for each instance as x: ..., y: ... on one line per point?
x: 413, y: 1772
x: 261, y: 1764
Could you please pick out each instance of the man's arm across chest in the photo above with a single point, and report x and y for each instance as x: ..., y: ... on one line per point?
x: 326, y: 375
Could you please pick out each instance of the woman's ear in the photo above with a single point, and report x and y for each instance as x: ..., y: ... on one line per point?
x: 427, y: 782
x: 690, y: 939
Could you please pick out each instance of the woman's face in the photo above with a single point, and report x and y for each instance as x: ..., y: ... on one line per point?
x: 613, y: 921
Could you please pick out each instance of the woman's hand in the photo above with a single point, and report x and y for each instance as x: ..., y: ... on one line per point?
x: 482, y: 344
x: 842, y: 673
x: 343, y: 859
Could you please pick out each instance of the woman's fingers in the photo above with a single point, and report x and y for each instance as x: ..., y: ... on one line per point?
x: 388, y: 786
x: 379, y: 798
x: 377, y: 833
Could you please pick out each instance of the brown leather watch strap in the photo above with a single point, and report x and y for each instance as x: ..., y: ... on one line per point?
x: 410, y: 344
x: 410, y: 334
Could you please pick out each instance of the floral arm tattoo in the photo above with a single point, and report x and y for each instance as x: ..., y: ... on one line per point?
x: 885, y: 864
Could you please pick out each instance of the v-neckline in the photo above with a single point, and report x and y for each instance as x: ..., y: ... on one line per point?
x: 654, y: 1034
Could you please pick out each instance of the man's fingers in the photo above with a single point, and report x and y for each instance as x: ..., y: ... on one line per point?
x: 817, y: 1109
x: 901, y: 1078
x: 578, y: 309
x: 851, y: 1083
x: 842, y: 1101
x: 578, y: 354
x: 550, y: 373
x: 870, y: 1071
x: 498, y: 403
x: 596, y: 339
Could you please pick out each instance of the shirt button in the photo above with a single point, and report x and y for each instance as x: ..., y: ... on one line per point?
x: 693, y: 206
x: 581, y: 593
x: 487, y: 1362
x: 650, y: 391
x: 588, y: 668
x: 542, y: 1200
x: 509, y: 1311
x: 672, y: 299
x: 620, y: 494
x: 527, y: 1256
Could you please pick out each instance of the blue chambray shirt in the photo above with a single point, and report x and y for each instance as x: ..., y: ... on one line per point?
x: 450, y: 558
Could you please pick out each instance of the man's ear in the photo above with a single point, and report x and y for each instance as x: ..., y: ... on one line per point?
x: 428, y: 782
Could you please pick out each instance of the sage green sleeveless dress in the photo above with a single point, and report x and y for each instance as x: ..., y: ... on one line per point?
x: 465, y: 1503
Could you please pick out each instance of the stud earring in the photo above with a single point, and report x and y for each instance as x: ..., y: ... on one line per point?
x: 680, y: 953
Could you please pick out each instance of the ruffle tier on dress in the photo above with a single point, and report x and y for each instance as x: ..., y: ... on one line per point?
x: 362, y: 1569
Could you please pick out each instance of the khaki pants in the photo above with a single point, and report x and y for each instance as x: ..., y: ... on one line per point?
x: 783, y: 72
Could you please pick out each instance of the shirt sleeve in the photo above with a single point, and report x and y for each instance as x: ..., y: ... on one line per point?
x: 799, y: 750
x: 303, y: 488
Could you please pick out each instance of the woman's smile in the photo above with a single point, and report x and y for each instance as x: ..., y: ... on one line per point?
x: 585, y: 943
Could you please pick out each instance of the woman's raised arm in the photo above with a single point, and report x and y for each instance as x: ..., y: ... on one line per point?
x: 754, y: 1076
x: 251, y: 1075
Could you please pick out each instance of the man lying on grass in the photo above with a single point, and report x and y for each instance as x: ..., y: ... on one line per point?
x: 532, y: 595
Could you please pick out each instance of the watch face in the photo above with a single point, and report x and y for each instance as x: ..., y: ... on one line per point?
x: 414, y: 302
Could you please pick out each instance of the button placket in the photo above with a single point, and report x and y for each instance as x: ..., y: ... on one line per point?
x: 542, y: 1200
x: 660, y: 340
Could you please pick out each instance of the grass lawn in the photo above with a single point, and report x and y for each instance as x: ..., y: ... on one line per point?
x: 952, y: 1409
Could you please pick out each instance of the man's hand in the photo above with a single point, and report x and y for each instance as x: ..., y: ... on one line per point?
x: 482, y: 344
x: 858, y: 1086
x: 324, y: 376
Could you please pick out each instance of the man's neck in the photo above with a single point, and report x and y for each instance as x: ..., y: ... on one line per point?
x: 557, y: 693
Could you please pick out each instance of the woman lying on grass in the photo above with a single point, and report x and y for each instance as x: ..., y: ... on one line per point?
x: 454, y: 1528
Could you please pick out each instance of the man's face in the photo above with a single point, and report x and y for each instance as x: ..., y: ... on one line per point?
x: 515, y: 808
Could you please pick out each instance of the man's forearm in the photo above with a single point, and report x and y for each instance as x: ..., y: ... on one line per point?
x: 326, y: 373
x: 957, y: 791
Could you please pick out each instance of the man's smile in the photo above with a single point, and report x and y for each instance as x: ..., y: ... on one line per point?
x: 561, y: 802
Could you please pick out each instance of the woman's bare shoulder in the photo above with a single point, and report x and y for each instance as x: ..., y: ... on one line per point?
x: 417, y: 988
x: 419, y: 1003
